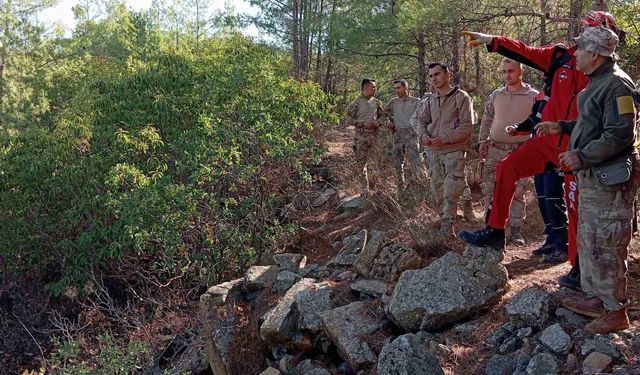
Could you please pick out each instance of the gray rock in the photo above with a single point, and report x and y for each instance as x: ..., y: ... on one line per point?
x: 352, y: 203
x: 351, y: 247
x: 266, y: 259
x: 280, y: 322
x: 375, y: 288
x: 571, y: 317
x: 193, y: 360
x: 543, y: 364
x: 311, y: 303
x: 453, y: 287
x: 524, y: 332
x: 327, y: 196
x: 393, y: 260
x: 375, y: 242
x: 603, y: 345
x: 259, y: 277
x: 440, y: 351
x: 307, y: 367
x: 406, y: 355
x: 321, y: 272
x: 219, y: 295
x: 531, y: 306
x: 284, y: 281
x: 290, y: 261
x: 556, y: 339
x: 219, y: 333
x: 347, y: 325
x: 596, y: 363
x: 509, y: 346
x: 503, y: 333
x: 340, y: 275
x: 502, y: 364
x: 306, y: 270
x: 270, y: 371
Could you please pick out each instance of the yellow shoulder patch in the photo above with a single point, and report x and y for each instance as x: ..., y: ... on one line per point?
x: 625, y: 105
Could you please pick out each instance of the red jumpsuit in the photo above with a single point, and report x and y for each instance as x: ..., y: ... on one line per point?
x: 531, y: 158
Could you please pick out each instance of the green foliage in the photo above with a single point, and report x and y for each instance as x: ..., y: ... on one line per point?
x: 68, y: 358
x: 182, y: 158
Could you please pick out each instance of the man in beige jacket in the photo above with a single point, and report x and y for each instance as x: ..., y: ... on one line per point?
x: 506, y: 106
x: 444, y: 127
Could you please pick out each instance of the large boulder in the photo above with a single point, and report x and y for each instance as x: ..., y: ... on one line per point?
x: 453, y: 287
x: 381, y: 259
x: 347, y: 326
x: 219, y: 332
x: 531, y: 306
x: 311, y: 303
x: 220, y: 294
x: 290, y: 261
x: 259, y: 277
x: 284, y: 281
x: 407, y: 355
x: 280, y: 323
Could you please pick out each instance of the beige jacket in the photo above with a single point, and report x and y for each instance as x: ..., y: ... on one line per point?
x: 401, y: 109
x: 504, y: 108
x: 448, y: 117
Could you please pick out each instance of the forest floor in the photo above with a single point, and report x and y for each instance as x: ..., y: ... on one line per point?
x: 413, y: 221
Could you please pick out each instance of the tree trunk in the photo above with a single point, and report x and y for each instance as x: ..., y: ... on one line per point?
x: 575, y: 14
x: 295, y: 38
x: 600, y: 5
x: 319, y: 42
x: 544, y: 6
x: 422, y: 63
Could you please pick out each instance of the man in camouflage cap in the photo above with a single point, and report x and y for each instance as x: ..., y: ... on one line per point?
x: 600, y: 154
x: 367, y: 115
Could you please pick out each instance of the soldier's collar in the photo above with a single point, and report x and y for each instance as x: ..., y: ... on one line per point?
x: 450, y: 93
x: 602, y: 69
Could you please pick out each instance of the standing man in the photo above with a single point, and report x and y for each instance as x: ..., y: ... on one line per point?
x: 405, y: 139
x: 561, y: 88
x: 600, y: 155
x: 506, y: 106
x: 444, y: 127
x: 367, y: 115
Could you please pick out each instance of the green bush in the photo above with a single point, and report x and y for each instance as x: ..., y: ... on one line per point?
x: 185, y: 158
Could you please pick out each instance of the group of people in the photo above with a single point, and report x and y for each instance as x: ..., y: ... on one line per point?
x: 576, y: 137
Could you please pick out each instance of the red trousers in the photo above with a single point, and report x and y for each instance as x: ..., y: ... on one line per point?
x: 529, y: 160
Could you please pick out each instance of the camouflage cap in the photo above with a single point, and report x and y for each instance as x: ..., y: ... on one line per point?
x: 599, y: 40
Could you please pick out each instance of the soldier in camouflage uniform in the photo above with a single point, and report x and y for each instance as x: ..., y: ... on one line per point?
x: 405, y: 139
x: 444, y: 127
x: 600, y: 154
x: 366, y: 114
x: 506, y: 106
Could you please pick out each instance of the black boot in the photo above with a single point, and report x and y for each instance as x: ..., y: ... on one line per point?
x: 572, y: 279
x: 543, y: 250
x: 487, y: 237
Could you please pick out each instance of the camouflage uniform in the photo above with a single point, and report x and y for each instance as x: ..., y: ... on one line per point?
x: 367, y: 145
x: 448, y: 117
x: 603, y: 137
x: 405, y: 139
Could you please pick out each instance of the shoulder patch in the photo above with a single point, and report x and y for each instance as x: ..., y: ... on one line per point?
x: 624, y: 105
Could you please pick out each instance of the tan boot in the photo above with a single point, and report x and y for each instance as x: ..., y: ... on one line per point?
x: 592, y: 306
x: 515, y: 236
x: 612, y: 321
x: 467, y: 212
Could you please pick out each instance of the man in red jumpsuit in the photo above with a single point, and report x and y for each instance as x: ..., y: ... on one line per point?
x: 558, y: 63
